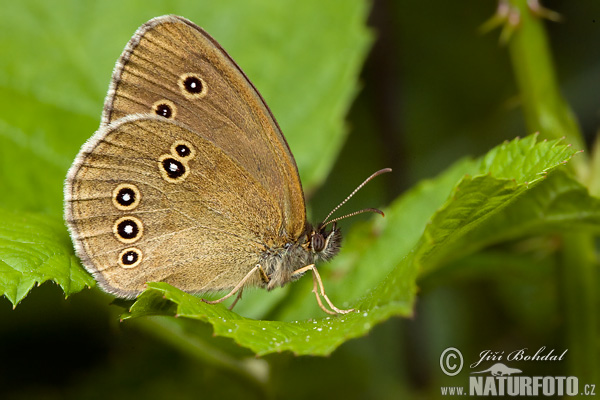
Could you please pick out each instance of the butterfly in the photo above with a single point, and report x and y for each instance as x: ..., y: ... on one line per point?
x: 189, y: 179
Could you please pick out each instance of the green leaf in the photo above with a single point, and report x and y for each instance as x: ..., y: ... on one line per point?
x: 513, y: 169
x: 316, y: 337
x: 525, y: 160
x: 559, y: 204
x: 387, y: 255
x: 34, y: 249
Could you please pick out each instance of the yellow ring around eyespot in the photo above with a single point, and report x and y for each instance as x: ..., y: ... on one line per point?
x: 127, y: 250
x: 165, y: 102
x: 136, y: 193
x: 164, y: 173
x: 185, y: 92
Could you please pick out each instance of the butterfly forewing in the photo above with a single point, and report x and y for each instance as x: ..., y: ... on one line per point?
x: 173, y: 68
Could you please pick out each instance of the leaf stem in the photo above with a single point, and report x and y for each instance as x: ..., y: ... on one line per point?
x: 544, y: 108
x: 579, y: 305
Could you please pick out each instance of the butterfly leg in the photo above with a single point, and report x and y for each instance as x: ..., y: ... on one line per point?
x: 319, y: 289
x: 239, y: 287
x: 237, y: 298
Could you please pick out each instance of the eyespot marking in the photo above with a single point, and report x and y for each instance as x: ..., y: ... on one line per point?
x: 126, y: 196
x: 172, y: 169
x: 182, y: 149
x: 130, y: 258
x: 165, y: 108
x: 128, y: 229
x: 192, y: 86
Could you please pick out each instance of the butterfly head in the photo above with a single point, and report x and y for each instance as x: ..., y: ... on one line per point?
x: 324, y: 244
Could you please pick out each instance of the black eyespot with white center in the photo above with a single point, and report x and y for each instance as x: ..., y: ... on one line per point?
x: 126, y: 196
x: 128, y: 229
x: 130, y: 258
x: 193, y: 85
x: 174, y: 168
x: 164, y: 110
x: 182, y: 150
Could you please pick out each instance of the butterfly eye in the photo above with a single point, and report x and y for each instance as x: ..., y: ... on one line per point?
x: 192, y: 86
x: 164, y: 108
x: 128, y: 229
x: 130, y: 258
x: 317, y: 242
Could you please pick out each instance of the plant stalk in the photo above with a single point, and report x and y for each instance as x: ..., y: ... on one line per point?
x: 547, y: 112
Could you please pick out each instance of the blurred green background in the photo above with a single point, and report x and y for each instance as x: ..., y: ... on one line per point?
x: 433, y: 89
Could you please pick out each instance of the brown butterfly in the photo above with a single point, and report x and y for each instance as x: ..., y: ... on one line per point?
x: 189, y: 179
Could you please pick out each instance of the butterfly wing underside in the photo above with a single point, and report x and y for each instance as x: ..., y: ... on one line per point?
x: 202, y: 230
x: 239, y: 194
x: 230, y: 112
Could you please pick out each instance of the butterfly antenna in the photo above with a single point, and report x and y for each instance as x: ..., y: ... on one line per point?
x: 325, y: 223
